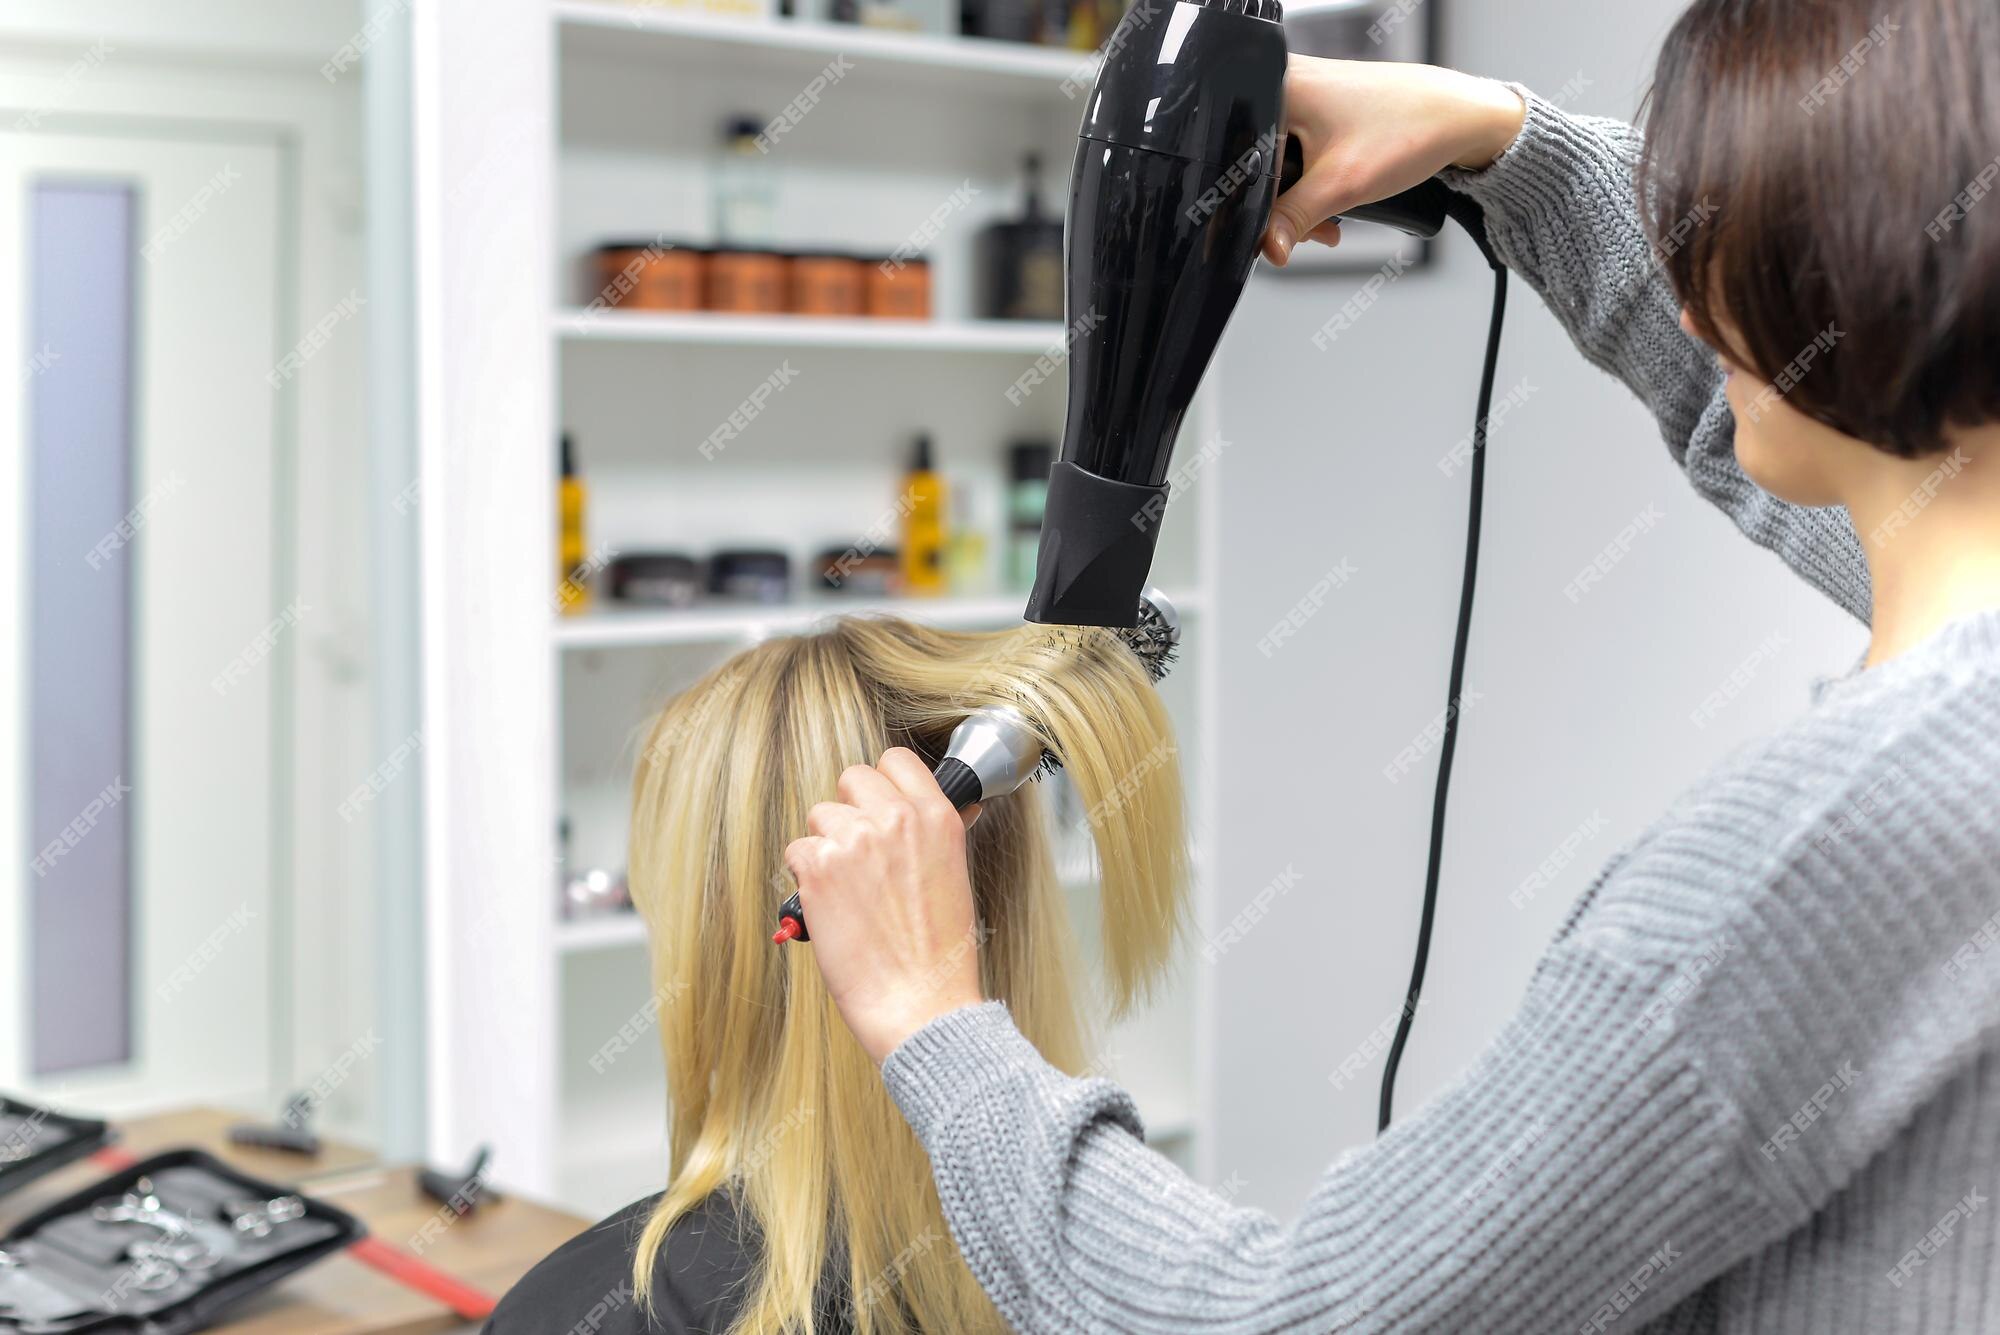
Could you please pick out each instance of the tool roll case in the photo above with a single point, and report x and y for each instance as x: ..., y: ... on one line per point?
x: 35, y: 1141
x: 159, y: 1248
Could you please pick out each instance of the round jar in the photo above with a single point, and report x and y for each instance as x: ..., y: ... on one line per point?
x: 828, y: 285
x: 746, y: 282
x: 648, y: 276
x: 899, y: 289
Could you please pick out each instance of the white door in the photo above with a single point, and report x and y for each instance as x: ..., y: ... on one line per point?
x: 139, y: 801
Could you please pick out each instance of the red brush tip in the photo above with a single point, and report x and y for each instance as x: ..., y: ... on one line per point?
x: 788, y: 929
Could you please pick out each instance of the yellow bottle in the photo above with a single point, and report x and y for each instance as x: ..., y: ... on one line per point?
x: 1084, y: 32
x: 923, y: 525
x: 572, y: 576
x: 965, y: 565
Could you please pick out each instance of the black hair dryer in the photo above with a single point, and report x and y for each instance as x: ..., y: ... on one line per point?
x: 1177, y: 165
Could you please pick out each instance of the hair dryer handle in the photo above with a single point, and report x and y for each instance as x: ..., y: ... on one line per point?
x: 1420, y: 211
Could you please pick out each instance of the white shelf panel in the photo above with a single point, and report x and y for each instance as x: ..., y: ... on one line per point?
x: 708, y: 625
x: 970, y: 64
x: 1014, y: 337
x: 608, y: 931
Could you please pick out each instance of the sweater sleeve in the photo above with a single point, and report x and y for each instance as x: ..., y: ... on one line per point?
x: 1562, y: 210
x: 1752, y: 1007
x: 1583, y: 1170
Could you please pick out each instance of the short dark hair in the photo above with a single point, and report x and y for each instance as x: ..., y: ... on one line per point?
x: 1815, y: 177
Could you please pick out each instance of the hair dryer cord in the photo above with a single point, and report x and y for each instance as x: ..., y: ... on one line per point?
x: 1469, y: 217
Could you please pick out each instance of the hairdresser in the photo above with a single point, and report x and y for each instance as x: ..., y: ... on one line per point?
x: 1754, y: 1084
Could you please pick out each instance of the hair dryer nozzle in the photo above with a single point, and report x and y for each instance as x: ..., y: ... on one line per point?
x: 1098, y: 536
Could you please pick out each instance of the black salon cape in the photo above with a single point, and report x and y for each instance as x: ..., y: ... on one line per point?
x: 699, y: 1282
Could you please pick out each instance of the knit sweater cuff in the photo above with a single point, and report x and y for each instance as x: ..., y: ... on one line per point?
x: 938, y: 1068
x: 1533, y: 183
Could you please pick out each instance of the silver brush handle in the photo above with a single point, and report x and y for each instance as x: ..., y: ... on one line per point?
x: 990, y: 754
x: 993, y: 751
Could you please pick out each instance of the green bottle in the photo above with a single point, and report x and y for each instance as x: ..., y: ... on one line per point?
x: 1027, y: 495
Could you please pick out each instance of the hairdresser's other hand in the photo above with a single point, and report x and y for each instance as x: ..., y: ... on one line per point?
x: 1369, y: 129
x: 883, y: 881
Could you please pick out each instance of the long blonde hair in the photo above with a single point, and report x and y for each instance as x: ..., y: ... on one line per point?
x: 773, y: 1100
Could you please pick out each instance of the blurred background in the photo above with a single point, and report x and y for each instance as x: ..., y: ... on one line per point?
x: 406, y: 396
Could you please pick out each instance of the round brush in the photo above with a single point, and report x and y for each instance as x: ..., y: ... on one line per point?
x: 993, y: 751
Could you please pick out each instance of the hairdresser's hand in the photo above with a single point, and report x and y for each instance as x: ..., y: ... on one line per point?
x: 1370, y: 129
x: 883, y: 882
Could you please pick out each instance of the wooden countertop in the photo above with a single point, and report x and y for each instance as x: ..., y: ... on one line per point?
x: 341, y: 1295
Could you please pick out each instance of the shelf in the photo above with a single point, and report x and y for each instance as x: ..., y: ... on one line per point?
x: 606, y: 931
x: 1016, y: 337
x: 710, y: 625
x: 804, y: 47
x: 618, y: 103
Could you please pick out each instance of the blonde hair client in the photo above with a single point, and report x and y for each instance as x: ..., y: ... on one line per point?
x: 797, y: 1199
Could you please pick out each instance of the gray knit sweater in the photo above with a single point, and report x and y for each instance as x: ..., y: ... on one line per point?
x: 1755, y: 1082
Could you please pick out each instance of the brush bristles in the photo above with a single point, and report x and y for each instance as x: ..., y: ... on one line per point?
x: 1153, y: 641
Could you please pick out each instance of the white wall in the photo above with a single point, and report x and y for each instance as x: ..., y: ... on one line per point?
x: 209, y: 30
x: 1583, y: 707
x: 246, y: 69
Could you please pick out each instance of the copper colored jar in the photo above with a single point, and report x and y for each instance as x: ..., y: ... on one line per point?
x: 828, y: 285
x: 746, y: 282
x: 900, y: 289
x: 649, y: 276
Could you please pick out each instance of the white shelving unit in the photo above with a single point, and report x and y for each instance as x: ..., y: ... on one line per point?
x: 1029, y: 337
x: 913, y: 60
x: 611, y: 139
x: 610, y: 630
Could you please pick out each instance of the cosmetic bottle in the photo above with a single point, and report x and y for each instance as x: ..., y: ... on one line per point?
x: 745, y: 189
x: 1005, y: 20
x: 1020, y: 263
x: 922, y: 506
x: 1083, y: 31
x: 966, y: 567
x: 1028, y: 463
x: 572, y: 577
